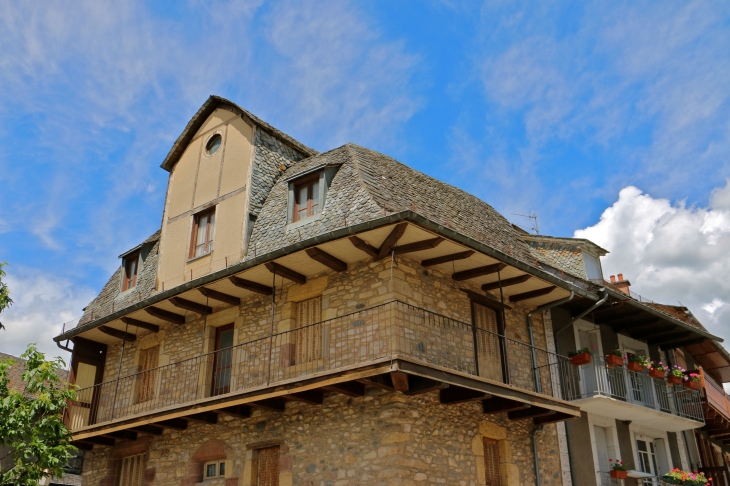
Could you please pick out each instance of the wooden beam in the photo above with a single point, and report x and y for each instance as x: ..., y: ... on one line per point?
x: 634, y: 326
x: 456, y: 394
x: 418, y: 246
x: 418, y: 385
x: 501, y: 404
x: 391, y: 240
x: 140, y: 324
x: 462, y: 255
x: 121, y: 434
x: 220, y: 296
x: 383, y: 382
x: 654, y: 332
x: 679, y: 344
x: 205, y: 417
x: 553, y: 418
x: 240, y: 411
x: 311, y: 397
x: 617, y: 317
x: 478, y: 272
x: 669, y: 338
x: 148, y: 429
x: 271, y: 404
x: 531, y: 294
x: 126, y: 336
x: 165, y: 315
x: 529, y: 413
x: 176, y: 423
x: 84, y: 446
x: 350, y: 388
x: 364, y: 246
x: 186, y: 304
x: 400, y: 381
x: 288, y: 273
x: 251, y: 286
x: 99, y: 440
x: 506, y: 282
x: 326, y: 259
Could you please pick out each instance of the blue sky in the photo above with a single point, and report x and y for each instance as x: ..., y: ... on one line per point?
x: 610, y: 119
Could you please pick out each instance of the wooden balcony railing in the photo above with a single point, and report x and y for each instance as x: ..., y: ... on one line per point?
x: 715, y: 395
x: 387, y: 331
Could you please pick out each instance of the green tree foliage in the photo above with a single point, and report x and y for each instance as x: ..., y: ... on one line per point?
x: 5, y: 300
x: 31, y: 420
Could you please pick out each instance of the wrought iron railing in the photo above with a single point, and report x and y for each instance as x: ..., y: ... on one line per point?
x: 387, y: 331
x: 598, y: 379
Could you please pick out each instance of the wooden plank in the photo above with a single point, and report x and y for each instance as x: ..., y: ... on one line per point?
x: 456, y: 394
x: 501, y: 405
x: 383, y: 382
x: 350, y: 388
x: 84, y: 446
x: 126, y: 336
x: 240, y: 411
x: 147, y: 429
x: 287, y: 273
x: 531, y: 294
x: 311, y: 397
x: 140, y: 324
x: 251, y: 286
x: 418, y: 385
x: 508, y: 282
x: 418, y: 246
x: 654, y: 332
x: 205, y: 417
x: 271, y: 404
x: 363, y: 246
x: 165, y: 315
x: 478, y: 272
x: 447, y: 258
x: 121, y: 434
x: 219, y: 296
x: 175, y: 423
x: 391, y: 240
x: 679, y: 344
x: 666, y: 338
x: 99, y: 440
x: 400, y: 381
x: 552, y: 418
x: 531, y: 412
x: 201, y: 309
x: 326, y: 259
x: 607, y: 319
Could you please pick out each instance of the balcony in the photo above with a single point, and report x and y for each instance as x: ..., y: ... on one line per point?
x: 463, y: 362
x: 622, y: 394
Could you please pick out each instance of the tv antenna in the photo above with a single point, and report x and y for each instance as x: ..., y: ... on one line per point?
x: 533, y: 217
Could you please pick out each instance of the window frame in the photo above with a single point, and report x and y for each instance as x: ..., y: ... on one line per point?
x: 137, y: 474
x: 312, y: 199
x: 492, y: 461
x: 210, y: 232
x: 127, y: 282
x: 218, y: 463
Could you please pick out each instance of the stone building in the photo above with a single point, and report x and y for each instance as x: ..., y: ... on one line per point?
x: 327, y: 319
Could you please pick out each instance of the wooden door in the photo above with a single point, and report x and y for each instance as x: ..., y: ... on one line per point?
x: 487, y: 342
x: 268, y: 467
x: 222, y: 360
x: 85, y: 396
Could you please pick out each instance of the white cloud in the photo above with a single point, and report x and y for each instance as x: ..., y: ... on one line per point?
x: 42, y: 303
x: 672, y: 253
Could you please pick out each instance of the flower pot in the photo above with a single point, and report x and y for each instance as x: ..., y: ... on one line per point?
x: 692, y: 385
x: 580, y: 359
x: 674, y: 380
x: 613, y: 360
x: 655, y: 373
x: 669, y: 480
x: 616, y: 474
x: 634, y: 366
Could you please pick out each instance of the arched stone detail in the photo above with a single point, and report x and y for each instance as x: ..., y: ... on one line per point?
x: 210, y: 450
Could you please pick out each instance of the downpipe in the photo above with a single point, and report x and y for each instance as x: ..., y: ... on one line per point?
x: 535, y: 372
x: 535, y: 431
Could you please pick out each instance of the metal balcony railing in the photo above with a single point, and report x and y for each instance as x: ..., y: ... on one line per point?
x: 387, y: 331
x: 598, y: 379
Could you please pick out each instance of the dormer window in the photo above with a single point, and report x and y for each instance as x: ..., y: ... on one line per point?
x: 129, y: 277
x: 307, y: 197
x: 201, y: 242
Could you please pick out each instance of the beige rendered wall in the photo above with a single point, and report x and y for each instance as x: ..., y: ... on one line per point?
x: 199, y: 181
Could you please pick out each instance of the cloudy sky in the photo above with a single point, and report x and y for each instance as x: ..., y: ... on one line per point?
x: 611, y: 121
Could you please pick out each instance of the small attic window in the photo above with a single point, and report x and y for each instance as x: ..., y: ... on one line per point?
x: 307, y: 197
x: 214, y: 143
x: 129, y: 278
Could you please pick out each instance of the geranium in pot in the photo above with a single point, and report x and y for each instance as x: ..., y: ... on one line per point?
x: 692, y: 381
x: 637, y: 362
x: 580, y: 356
x: 657, y: 370
x: 614, y: 358
x: 618, y: 469
x: 676, y: 376
x: 677, y: 476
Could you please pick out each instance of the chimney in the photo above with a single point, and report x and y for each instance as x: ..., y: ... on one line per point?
x: 613, y: 278
x: 622, y: 285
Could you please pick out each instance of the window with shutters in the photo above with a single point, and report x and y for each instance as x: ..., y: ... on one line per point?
x: 491, y: 462
x: 268, y: 467
x: 148, y: 362
x: 309, y: 330
x: 201, y: 238
x: 129, y: 278
x: 486, y: 330
x: 132, y: 471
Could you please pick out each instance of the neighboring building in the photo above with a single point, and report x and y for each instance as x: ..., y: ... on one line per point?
x: 341, y: 319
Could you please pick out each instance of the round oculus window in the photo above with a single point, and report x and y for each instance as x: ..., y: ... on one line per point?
x: 214, y: 143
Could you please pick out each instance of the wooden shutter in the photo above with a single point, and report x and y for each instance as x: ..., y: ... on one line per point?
x: 268, y: 470
x: 148, y: 360
x: 309, y: 334
x: 491, y: 462
x: 487, y: 342
x: 131, y: 474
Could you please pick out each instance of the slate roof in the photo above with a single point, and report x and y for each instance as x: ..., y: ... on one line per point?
x: 369, y: 185
x: 16, y: 372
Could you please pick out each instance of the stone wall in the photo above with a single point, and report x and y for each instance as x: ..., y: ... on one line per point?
x: 384, y: 438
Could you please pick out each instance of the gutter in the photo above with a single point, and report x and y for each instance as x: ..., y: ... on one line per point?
x: 536, y: 374
x: 535, y: 431
x: 323, y: 238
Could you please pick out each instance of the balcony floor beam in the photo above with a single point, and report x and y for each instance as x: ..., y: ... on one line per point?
x: 204, y: 417
x: 147, y: 429
x: 310, y: 397
x: 349, y: 388
x: 239, y: 411
x: 176, y: 424
x: 455, y: 394
x: 501, y: 405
